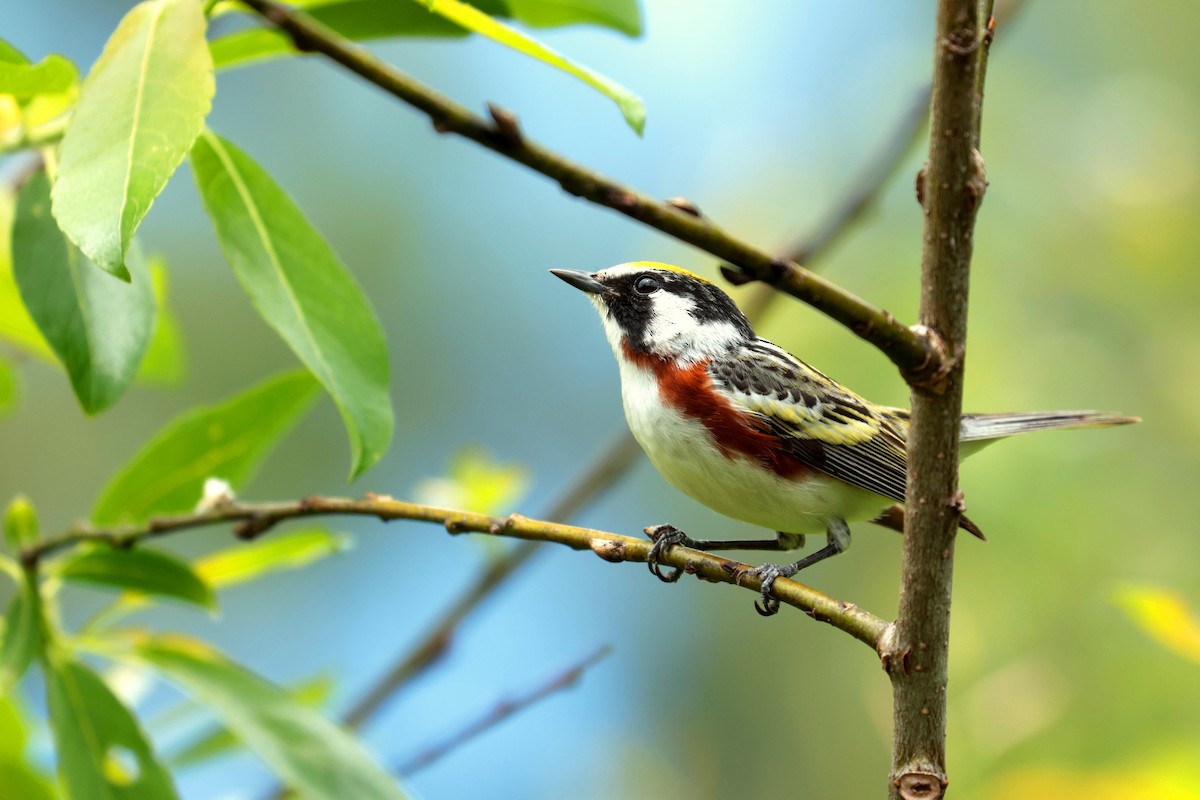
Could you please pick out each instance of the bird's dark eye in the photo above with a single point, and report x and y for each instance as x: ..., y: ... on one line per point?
x: 647, y: 284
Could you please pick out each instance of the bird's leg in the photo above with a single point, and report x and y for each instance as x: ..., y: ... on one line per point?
x: 667, y: 536
x: 837, y: 540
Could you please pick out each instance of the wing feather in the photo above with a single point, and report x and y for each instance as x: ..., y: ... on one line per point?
x: 820, y: 422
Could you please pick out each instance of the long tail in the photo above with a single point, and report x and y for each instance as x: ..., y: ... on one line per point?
x: 985, y: 427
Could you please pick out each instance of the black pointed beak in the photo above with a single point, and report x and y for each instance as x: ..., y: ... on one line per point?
x: 584, y: 281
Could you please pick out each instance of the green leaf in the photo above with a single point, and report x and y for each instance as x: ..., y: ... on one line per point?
x: 475, y: 20
x: 139, y: 570
x: 252, y: 560
x: 20, y: 524
x: 17, y: 328
x: 24, y: 633
x: 139, y: 111
x: 19, y: 779
x: 164, y: 359
x: 364, y: 20
x: 98, y: 326
x: 10, y: 54
x: 308, y: 753
x: 52, y: 75
x: 10, y: 388
x: 621, y: 15
x: 102, y: 752
x: 219, y: 741
x: 226, y: 441
x: 301, y: 289
x: 357, y: 20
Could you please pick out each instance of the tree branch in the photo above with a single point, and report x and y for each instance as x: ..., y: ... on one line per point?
x: 501, y: 712
x: 255, y: 519
x: 951, y: 188
x: 907, y: 348
x: 603, y: 473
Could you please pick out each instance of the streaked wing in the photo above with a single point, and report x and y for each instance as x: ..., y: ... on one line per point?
x: 819, y: 422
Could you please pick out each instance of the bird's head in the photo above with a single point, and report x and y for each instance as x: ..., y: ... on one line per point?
x: 661, y: 310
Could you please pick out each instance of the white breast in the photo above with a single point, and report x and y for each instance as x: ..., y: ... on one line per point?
x: 682, y: 449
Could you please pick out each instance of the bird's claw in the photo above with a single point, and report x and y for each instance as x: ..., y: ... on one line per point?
x: 767, y: 573
x: 665, y: 537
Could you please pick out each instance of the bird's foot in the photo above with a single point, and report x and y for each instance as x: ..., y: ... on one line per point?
x: 665, y: 537
x: 767, y: 573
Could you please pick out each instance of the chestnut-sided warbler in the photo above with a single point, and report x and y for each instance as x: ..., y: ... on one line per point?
x: 750, y: 430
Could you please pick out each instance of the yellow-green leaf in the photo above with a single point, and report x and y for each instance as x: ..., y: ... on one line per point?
x: 102, y: 752
x: 275, y: 553
x: 20, y: 524
x: 10, y: 388
x: 1164, y: 616
x: 475, y: 20
x: 52, y: 75
x: 301, y: 289
x: 476, y: 482
x: 226, y: 441
x: 139, y: 570
x: 139, y: 110
x: 19, y: 779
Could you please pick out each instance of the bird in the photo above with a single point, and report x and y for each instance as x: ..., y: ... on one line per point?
x: 753, y: 432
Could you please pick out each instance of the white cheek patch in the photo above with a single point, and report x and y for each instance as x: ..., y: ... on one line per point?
x: 612, y: 331
x: 674, y: 331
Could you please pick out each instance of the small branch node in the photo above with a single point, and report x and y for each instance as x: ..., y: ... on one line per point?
x: 921, y: 786
x: 685, y: 205
x: 920, y: 185
x: 506, y: 125
x: 976, y: 182
x: 376, y: 497
x: 609, y: 550
x: 440, y: 125
x: 935, y: 381
x: 620, y: 199
x: 502, y: 528
x: 455, y: 525
x: 962, y: 42
x: 253, y: 526
x: 735, y: 275
x: 958, y: 501
x: 779, y: 268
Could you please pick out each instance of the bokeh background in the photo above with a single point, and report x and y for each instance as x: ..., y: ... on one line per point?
x: 1084, y: 295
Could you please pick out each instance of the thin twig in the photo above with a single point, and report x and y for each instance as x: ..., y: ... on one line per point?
x: 601, y: 475
x: 501, y: 712
x: 917, y: 653
x: 255, y: 519
x: 907, y: 348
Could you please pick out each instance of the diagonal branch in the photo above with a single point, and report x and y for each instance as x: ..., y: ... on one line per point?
x: 951, y: 188
x: 909, y: 349
x: 255, y: 519
x: 501, y: 712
